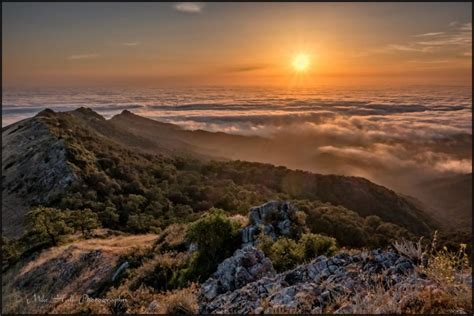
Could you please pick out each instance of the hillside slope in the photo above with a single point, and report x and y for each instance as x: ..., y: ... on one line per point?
x: 61, y: 276
x: 214, y: 144
x: 451, y: 199
x: 110, y: 165
x: 113, y: 273
x: 34, y: 169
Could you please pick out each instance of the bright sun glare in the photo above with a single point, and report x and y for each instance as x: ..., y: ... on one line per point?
x: 301, y: 62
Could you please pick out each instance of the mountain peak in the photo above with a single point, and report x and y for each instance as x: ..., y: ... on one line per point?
x: 87, y: 112
x: 126, y: 112
x: 46, y: 112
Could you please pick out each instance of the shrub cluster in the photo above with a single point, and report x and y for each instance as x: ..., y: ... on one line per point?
x: 286, y: 253
x: 216, y: 238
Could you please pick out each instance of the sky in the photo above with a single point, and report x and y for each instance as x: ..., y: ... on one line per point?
x: 235, y: 44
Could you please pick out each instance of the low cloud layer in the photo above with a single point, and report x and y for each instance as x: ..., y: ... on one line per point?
x: 395, y: 138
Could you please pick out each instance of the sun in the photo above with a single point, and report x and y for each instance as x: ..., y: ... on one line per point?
x: 301, y: 62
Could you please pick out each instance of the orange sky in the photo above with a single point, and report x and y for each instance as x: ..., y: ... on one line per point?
x: 159, y: 44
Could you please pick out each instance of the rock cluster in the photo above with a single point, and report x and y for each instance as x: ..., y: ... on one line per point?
x: 305, y: 289
x: 245, y: 266
x: 274, y: 218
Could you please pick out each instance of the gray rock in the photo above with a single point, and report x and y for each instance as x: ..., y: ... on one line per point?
x: 302, y: 290
x: 324, y: 297
x: 273, y: 218
x: 122, y: 267
x: 245, y: 266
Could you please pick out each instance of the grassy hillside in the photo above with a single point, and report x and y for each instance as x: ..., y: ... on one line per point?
x: 70, y: 270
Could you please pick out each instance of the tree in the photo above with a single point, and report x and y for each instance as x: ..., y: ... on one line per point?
x: 141, y: 223
x: 84, y: 220
x: 109, y: 216
x: 47, y: 224
x: 135, y: 203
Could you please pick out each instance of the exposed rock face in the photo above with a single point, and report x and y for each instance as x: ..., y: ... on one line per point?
x: 310, y: 287
x: 275, y: 218
x: 34, y: 169
x: 245, y: 266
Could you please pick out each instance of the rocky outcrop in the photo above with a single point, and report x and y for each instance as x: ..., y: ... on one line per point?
x: 245, y: 266
x: 310, y: 287
x: 34, y: 169
x: 273, y: 218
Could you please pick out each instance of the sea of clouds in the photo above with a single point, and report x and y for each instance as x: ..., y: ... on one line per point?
x: 396, y: 137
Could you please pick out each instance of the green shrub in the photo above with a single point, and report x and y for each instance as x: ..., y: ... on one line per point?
x: 216, y: 237
x: 284, y: 254
x: 313, y: 245
x: 287, y: 253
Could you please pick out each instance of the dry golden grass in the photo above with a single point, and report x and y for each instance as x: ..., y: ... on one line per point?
x: 145, y: 301
x: 440, y: 286
x: 179, y: 301
x: 66, y: 271
x: 113, y: 246
x: 414, y: 251
x: 444, y: 265
x: 171, y: 237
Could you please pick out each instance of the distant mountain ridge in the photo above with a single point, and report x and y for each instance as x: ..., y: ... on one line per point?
x: 124, y: 132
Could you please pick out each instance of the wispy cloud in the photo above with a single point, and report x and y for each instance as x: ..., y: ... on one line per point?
x: 189, y: 7
x: 435, y: 61
x: 408, y: 48
x: 131, y: 43
x: 245, y: 68
x: 429, y: 34
x: 458, y: 36
x: 82, y: 56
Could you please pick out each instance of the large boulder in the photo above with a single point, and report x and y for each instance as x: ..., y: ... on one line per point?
x: 274, y: 219
x: 245, y: 266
